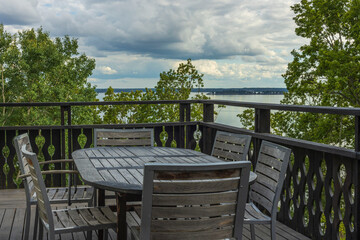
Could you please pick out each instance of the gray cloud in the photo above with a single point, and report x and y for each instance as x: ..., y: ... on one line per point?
x: 141, y: 38
x: 18, y: 12
x: 167, y: 29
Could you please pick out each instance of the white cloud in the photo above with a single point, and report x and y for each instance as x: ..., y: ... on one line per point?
x: 107, y: 70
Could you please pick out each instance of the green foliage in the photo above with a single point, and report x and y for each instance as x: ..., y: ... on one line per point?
x: 173, y: 85
x: 324, y: 72
x: 247, y: 119
x: 37, y: 68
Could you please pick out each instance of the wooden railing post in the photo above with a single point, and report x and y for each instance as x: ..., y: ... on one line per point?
x: 63, y: 109
x: 357, y: 180
x: 262, y: 125
x: 63, y: 145
x: 208, y: 116
x: 185, y: 116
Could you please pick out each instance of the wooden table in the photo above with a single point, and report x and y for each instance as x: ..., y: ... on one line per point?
x: 120, y: 169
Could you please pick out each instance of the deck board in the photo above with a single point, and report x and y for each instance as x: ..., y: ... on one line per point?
x: 12, y: 219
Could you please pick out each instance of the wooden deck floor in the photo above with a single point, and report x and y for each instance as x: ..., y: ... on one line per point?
x: 12, y: 215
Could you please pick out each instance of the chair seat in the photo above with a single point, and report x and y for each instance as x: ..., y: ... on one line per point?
x: 254, y: 216
x: 61, y: 194
x: 83, y: 219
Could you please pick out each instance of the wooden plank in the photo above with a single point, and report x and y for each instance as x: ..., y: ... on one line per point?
x: 267, y: 171
x: 79, y: 194
x: 124, y: 134
x: 202, y: 235
x: 18, y: 224
x: 65, y: 219
x: 288, y: 233
x: 85, y: 214
x: 196, y: 175
x: 229, y: 156
x: 75, y: 217
x: 109, y: 214
x: 229, y: 147
x: 195, y: 199
x: 99, y: 216
x: 60, y: 194
x: 231, y: 138
x: 123, y: 142
x: 273, y: 151
x: 6, y: 225
x: 196, y: 186
x: 195, y: 211
x: 252, y: 213
x: 2, y: 212
x: 264, y: 191
x: 266, y: 181
x: 191, y: 225
x: 270, y: 161
x: 258, y: 198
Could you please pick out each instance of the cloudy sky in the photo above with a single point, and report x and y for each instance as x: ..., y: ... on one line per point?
x: 235, y: 43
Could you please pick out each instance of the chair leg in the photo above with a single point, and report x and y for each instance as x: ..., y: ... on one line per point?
x: 273, y: 230
x: 89, y: 235
x: 36, y: 222
x: 95, y: 197
x: 106, y: 234
x: 27, y: 222
x: 41, y: 230
x: 252, y: 230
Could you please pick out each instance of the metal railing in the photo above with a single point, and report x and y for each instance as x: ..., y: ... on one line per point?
x: 320, y: 196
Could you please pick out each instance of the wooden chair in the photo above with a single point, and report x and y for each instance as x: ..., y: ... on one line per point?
x: 271, y: 167
x: 65, y: 220
x: 123, y: 137
x: 192, y: 201
x: 231, y: 146
x: 56, y: 194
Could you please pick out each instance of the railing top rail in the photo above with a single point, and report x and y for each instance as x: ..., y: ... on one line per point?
x: 293, y: 108
x: 66, y: 104
x: 270, y: 106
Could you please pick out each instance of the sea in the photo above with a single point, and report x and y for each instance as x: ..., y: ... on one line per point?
x: 229, y: 114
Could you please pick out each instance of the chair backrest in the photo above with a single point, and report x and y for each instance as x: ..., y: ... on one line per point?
x: 19, y: 142
x: 123, y: 137
x: 271, y: 166
x: 194, y: 201
x: 231, y: 146
x: 44, y: 208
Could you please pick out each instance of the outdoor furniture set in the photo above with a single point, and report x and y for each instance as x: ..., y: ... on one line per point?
x: 185, y: 194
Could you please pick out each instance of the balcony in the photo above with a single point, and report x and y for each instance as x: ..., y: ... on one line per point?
x: 320, y: 197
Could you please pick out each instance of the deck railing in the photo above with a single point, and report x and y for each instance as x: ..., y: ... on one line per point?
x: 320, y: 196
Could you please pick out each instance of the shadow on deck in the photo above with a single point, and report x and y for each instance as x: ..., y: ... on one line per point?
x: 12, y: 216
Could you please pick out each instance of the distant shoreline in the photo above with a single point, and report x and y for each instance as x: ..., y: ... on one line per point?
x: 215, y: 91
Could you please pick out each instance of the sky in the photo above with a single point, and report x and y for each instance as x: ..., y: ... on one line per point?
x: 234, y: 43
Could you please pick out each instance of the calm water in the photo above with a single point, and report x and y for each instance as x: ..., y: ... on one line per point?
x: 228, y: 115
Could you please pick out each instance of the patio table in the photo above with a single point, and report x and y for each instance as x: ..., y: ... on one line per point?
x: 120, y: 169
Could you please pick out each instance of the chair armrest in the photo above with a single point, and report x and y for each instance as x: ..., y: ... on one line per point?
x: 56, y: 161
x: 51, y: 172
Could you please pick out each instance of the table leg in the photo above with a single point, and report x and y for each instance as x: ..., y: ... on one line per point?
x: 101, y: 202
x: 121, y: 216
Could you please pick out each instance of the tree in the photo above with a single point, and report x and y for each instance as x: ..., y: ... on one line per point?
x: 37, y: 68
x: 173, y: 85
x: 324, y: 72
